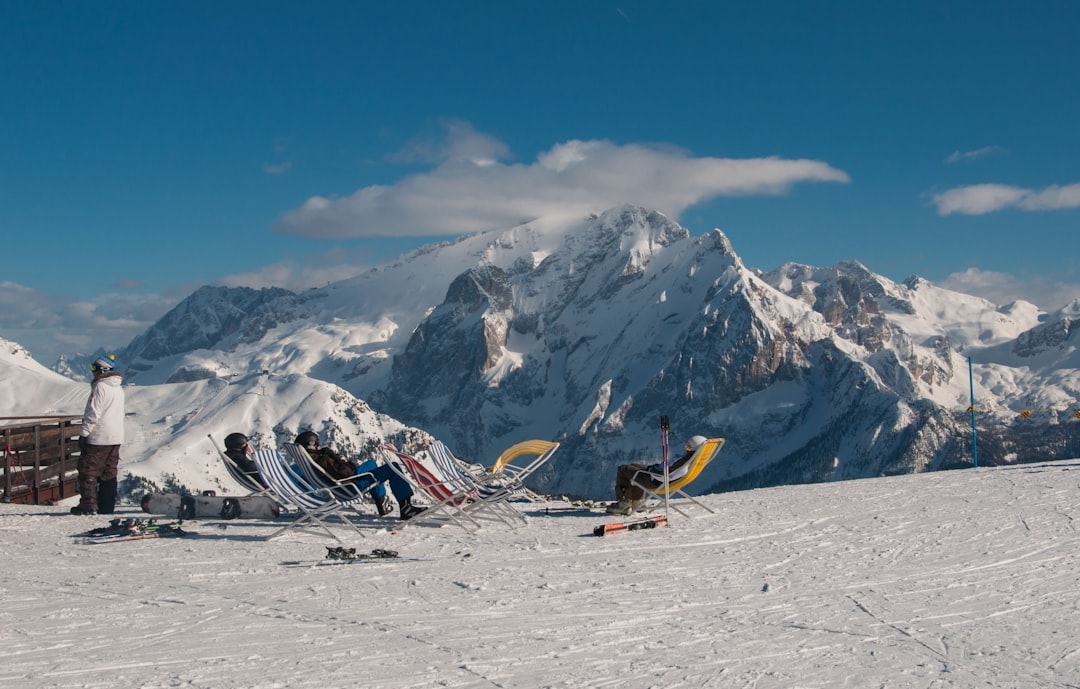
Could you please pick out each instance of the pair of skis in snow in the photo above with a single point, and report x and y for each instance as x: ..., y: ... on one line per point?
x: 132, y: 529
x: 647, y: 523
x: 349, y: 556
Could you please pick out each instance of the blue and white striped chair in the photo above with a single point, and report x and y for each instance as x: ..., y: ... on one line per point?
x: 490, y: 499
x: 315, y: 504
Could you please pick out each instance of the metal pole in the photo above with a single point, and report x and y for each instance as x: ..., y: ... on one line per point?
x: 974, y: 436
x: 664, y: 427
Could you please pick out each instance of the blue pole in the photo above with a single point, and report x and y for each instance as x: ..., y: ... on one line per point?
x: 974, y: 442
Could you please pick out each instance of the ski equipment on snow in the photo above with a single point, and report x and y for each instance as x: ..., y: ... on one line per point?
x: 132, y: 529
x: 347, y: 556
x: 665, y: 426
x: 206, y: 505
x: 650, y: 523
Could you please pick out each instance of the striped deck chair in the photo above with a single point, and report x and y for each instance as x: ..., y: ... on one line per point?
x: 448, y: 501
x: 489, y: 499
x: 316, y: 477
x: 316, y: 505
x: 505, y: 467
x: 653, y: 483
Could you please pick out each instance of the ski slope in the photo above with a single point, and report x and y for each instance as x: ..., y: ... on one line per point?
x: 960, y: 579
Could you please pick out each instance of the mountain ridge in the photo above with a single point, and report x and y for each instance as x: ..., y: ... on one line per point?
x: 587, y: 331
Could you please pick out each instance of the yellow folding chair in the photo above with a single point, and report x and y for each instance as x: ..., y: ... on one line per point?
x: 504, y: 466
x: 653, y: 483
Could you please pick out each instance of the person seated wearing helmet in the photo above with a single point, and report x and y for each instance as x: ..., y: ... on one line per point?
x: 238, y: 449
x: 342, y: 469
x: 631, y: 498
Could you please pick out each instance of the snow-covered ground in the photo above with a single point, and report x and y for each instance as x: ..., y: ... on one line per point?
x: 959, y: 579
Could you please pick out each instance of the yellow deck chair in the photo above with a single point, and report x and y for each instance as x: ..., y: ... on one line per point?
x: 653, y: 483
x: 517, y: 474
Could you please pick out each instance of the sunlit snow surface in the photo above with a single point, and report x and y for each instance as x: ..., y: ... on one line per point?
x: 951, y: 579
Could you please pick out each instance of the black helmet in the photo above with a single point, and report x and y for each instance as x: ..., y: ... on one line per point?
x: 235, y: 441
x: 308, y: 440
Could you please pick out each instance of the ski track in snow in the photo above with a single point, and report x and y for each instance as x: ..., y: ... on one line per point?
x: 960, y: 579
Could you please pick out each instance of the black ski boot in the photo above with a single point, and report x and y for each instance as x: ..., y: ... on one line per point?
x: 106, y: 497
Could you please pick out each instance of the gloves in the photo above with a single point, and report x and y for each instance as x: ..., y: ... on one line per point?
x: 83, y: 444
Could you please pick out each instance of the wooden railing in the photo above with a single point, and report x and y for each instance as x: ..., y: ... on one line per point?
x: 41, y: 456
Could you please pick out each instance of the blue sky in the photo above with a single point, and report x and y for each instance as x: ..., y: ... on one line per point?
x: 147, y: 149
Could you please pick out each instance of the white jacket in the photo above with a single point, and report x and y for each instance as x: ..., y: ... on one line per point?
x: 103, y: 419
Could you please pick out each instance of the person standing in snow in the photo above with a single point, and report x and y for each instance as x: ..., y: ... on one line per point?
x: 100, y: 438
x: 344, y: 470
x: 631, y: 498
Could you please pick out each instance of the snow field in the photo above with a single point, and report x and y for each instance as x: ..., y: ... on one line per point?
x: 958, y: 579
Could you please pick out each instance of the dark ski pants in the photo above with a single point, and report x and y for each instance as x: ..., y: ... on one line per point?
x: 383, y: 474
x: 624, y: 487
x: 97, y: 478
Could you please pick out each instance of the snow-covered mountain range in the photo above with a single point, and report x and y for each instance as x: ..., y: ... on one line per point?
x: 588, y: 331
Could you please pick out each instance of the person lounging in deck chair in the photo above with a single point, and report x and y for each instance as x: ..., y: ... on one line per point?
x: 629, y: 497
x: 238, y: 449
x: 341, y: 469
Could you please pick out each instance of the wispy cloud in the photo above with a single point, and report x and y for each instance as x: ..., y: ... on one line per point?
x: 277, y: 168
x: 299, y: 275
x: 471, y: 189
x: 1047, y: 293
x: 977, y: 154
x: 979, y: 199
x: 451, y: 140
x: 50, y: 325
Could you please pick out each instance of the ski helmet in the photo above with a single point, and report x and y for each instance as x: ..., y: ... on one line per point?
x: 695, y: 442
x: 103, y: 364
x: 308, y: 440
x: 235, y: 441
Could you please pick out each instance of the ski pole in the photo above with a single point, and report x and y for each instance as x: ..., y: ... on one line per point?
x: 664, y: 427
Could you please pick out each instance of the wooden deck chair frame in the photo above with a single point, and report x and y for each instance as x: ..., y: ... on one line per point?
x: 253, y: 487
x: 345, y: 490
x: 700, y: 459
x: 489, y: 499
x: 448, y: 501
x: 316, y: 505
x: 504, y: 466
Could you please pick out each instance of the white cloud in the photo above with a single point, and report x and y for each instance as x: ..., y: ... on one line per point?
x: 1001, y: 288
x: 979, y: 199
x: 977, y: 154
x: 51, y: 325
x: 298, y: 276
x: 1053, y: 198
x: 454, y: 140
x: 471, y: 190
x: 277, y: 168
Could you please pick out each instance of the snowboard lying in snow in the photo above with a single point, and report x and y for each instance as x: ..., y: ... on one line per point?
x: 210, y: 506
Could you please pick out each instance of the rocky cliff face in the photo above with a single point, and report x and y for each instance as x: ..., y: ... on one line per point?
x: 587, y: 333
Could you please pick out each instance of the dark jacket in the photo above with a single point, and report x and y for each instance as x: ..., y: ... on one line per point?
x: 332, y: 463
x: 673, y: 467
x: 242, y: 460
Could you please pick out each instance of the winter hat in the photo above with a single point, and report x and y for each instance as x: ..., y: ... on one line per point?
x: 104, y: 363
x: 695, y: 442
x: 307, y: 440
x: 235, y: 441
